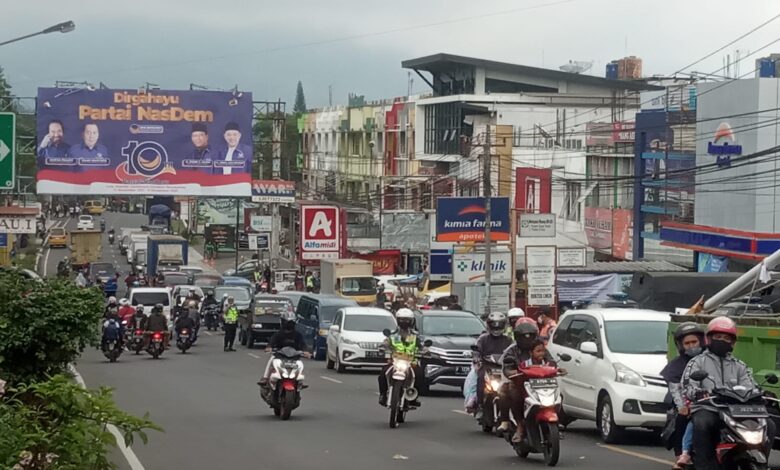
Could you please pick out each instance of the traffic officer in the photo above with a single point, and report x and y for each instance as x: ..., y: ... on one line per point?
x: 230, y: 317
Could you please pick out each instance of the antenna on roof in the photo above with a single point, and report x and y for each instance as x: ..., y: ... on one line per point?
x: 576, y: 66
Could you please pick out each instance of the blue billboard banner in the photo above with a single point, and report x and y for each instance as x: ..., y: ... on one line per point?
x: 462, y: 219
x: 150, y: 142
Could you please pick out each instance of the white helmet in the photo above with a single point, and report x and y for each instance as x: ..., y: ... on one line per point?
x: 496, y: 323
x: 515, y: 313
x: 123, y: 301
x: 111, y: 300
x: 405, y: 318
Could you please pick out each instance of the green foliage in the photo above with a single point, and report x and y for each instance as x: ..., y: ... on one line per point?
x: 58, y: 424
x: 44, y: 326
x: 5, y: 92
x: 300, y: 99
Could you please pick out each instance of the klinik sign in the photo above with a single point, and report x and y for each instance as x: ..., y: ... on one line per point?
x: 321, y: 236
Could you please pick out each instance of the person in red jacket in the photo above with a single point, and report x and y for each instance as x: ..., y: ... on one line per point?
x: 126, y: 311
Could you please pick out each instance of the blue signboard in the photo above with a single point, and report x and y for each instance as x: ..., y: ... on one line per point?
x: 3, y: 240
x: 440, y: 265
x: 462, y: 219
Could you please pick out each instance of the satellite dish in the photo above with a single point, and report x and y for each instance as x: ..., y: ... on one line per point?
x: 576, y: 66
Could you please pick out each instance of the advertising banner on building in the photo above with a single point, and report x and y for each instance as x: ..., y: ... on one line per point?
x: 622, y: 231
x: 469, y: 268
x: 144, y: 142
x: 537, y: 225
x: 221, y: 210
x: 273, y: 191
x: 610, y: 230
x: 223, y: 236
x: 587, y: 287
x: 462, y: 219
x: 321, y: 232
x: 533, y: 190
x: 386, y: 262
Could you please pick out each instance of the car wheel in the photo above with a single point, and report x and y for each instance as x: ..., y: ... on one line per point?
x: 605, y: 420
x: 329, y: 363
x: 250, y: 341
x: 340, y: 368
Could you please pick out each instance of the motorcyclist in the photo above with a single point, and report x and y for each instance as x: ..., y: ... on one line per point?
x: 689, y: 339
x: 286, y: 337
x: 138, y: 321
x: 185, y: 321
x: 404, y: 339
x: 157, y: 323
x: 492, y: 342
x: 209, y: 300
x: 126, y: 311
x: 511, y: 394
x: 724, y: 371
x: 63, y: 267
x: 111, y: 305
x: 513, y: 315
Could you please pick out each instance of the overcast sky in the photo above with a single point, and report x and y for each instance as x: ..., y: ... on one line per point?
x: 357, y: 46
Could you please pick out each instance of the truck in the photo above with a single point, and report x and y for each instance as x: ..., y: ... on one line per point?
x: 165, y: 252
x: 86, y: 247
x: 124, y: 238
x: 136, y: 250
x: 160, y: 217
x: 349, y: 278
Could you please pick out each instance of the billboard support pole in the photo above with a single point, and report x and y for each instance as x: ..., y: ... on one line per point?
x: 513, y: 249
x: 238, y: 207
x: 487, y: 194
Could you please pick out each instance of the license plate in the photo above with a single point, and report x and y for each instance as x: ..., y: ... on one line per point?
x: 462, y: 370
x: 747, y: 411
x: 374, y: 354
x: 543, y: 383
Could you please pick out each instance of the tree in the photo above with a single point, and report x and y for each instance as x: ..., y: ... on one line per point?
x: 6, y: 102
x: 300, y: 100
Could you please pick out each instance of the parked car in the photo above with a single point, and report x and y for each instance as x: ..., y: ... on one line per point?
x: 452, y: 333
x: 207, y: 280
x: 86, y: 222
x: 315, y: 314
x: 355, y: 336
x: 261, y: 323
x: 58, y: 237
x: 614, y: 375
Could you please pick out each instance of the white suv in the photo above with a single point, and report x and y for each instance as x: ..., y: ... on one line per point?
x: 86, y: 222
x: 355, y: 336
x: 614, y: 373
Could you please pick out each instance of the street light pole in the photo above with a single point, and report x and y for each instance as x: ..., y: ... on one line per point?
x: 64, y: 27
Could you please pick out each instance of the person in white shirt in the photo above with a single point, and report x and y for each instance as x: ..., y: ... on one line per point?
x: 234, y: 152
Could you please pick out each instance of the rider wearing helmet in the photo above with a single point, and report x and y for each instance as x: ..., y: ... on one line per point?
x: 126, y: 310
x: 512, y: 395
x: 111, y: 306
x: 138, y: 322
x: 404, y: 338
x: 689, y: 338
x: 286, y: 337
x: 157, y: 323
x: 724, y: 371
x: 493, y: 342
x: 513, y: 315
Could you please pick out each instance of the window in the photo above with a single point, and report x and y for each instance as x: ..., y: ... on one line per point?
x: 560, y: 331
x: 637, y: 337
x: 516, y: 134
x: 571, y: 205
x: 580, y: 330
x: 337, y: 320
x: 369, y: 323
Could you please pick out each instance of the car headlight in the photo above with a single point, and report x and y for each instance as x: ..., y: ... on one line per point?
x: 436, y: 352
x: 626, y: 375
x: 347, y: 341
x: 257, y: 325
x: 323, y: 332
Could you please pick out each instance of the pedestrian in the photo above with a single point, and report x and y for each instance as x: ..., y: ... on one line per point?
x: 230, y: 317
x: 381, y: 297
x: 309, y: 282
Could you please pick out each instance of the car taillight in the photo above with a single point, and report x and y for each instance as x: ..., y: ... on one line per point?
x: 139, y: 332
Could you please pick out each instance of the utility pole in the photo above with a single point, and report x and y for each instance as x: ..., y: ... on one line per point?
x: 487, y: 191
x: 238, y: 207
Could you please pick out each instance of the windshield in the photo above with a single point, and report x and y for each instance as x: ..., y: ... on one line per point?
x: 272, y: 306
x: 175, y: 278
x: 57, y: 231
x: 368, y: 323
x: 328, y: 313
x: 358, y: 286
x: 637, y: 337
x: 206, y: 280
x: 102, y: 268
x: 240, y: 294
x: 452, y: 326
x: 150, y: 298
x: 87, y: 218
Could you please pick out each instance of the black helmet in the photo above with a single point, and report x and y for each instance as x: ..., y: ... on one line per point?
x: 685, y: 329
x: 525, y: 333
x: 158, y: 307
x: 288, y: 320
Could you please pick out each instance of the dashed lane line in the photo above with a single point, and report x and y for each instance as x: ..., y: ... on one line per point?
x: 323, y: 377
x: 461, y: 412
x: 637, y: 455
x: 254, y: 355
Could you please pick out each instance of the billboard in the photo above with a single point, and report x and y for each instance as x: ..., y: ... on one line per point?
x: 533, y: 190
x: 462, y: 219
x: 165, y: 142
x: 273, y: 191
x: 470, y: 267
x: 321, y: 232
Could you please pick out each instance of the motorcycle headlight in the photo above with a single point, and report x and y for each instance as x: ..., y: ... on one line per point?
x: 323, y: 332
x: 257, y: 325
x: 626, y: 375
x: 495, y: 384
x: 401, y: 366
x: 751, y: 436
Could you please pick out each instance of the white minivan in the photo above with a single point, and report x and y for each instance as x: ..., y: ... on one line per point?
x: 149, y: 297
x: 355, y: 335
x: 614, y: 375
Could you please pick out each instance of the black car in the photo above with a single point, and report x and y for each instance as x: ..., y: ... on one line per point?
x: 452, y: 333
x: 264, y: 321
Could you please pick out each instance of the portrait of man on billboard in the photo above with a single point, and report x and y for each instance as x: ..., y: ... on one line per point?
x: 53, y: 145
x: 234, y: 152
x: 200, y: 142
x: 89, y: 149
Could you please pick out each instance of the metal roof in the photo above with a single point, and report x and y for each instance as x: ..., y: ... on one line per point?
x: 445, y: 62
x: 625, y: 267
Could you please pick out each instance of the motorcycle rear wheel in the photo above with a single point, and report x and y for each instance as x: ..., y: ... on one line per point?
x: 395, y: 404
x: 551, y: 447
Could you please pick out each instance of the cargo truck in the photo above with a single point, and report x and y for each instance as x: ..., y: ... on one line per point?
x: 165, y: 252
x: 136, y: 250
x: 349, y: 278
x: 86, y: 247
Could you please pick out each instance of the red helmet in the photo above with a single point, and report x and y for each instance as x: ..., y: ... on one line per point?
x: 528, y: 320
x: 722, y: 325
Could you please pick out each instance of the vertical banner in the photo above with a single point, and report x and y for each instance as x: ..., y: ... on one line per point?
x: 144, y: 142
x: 533, y: 190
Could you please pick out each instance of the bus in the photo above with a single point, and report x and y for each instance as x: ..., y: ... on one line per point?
x: 94, y: 207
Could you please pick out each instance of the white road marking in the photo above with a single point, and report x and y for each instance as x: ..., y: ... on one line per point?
x: 638, y: 455
x: 254, y: 355
x: 331, y: 380
x: 461, y: 412
x: 130, y: 456
x: 209, y: 333
x: 46, y: 260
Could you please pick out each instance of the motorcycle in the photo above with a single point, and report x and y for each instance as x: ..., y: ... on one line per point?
x: 102, y: 225
x: 183, y: 340
x: 211, y: 316
x: 283, y: 390
x: 136, y: 342
x: 744, y: 415
x: 111, y: 346
x: 491, y: 370
x: 400, y: 379
x: 540, y: 413
x: 110, y: 238
x: 156, y: 344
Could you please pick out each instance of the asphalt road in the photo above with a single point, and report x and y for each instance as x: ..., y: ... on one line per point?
x: 208, y: 403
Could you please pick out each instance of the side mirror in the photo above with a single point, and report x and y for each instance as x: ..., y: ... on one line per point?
x: 589, y: 347
x: 564, y: 357
x: 700, y: 375
x: 474, y: 348
x: 335, y: 328
x: 386, y: 332
x: 427, y: 343
x: 771, y: 379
